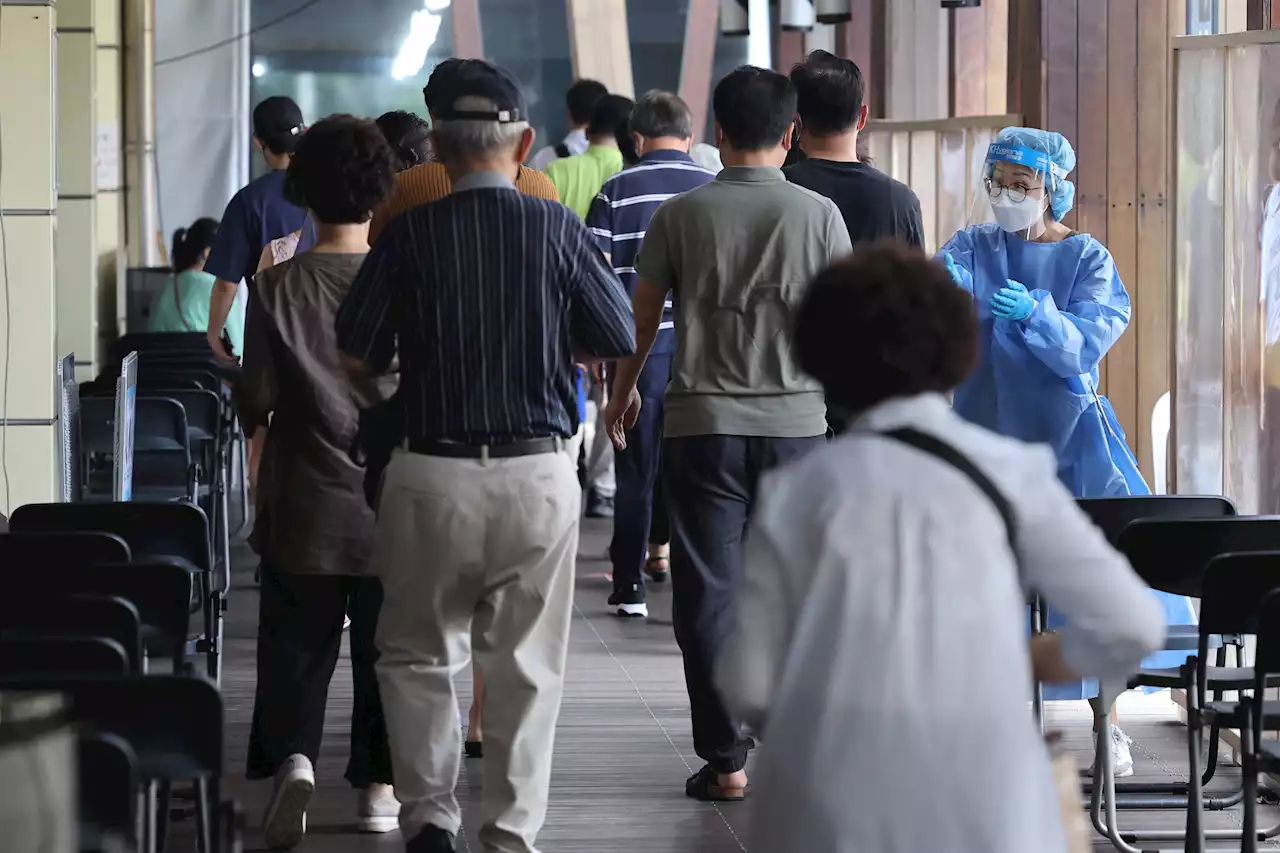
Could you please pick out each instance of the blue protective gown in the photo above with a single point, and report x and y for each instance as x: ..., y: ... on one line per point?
x: 1037, y: 379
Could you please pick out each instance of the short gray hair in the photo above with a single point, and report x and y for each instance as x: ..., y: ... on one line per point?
x: 470, y: 138
x: 658, y: 114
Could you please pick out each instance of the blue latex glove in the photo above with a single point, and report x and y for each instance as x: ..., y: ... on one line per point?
x: 963, y: 278
x: 1012, y: 302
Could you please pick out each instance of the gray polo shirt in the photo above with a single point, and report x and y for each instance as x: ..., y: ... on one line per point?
x: 739, y: 254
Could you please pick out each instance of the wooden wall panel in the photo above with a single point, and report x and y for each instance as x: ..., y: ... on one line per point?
x: 697, y: 62
x: 1122, y: 191
x: 1091, y: 139
x: 862, y: 39
x: 980, y: 59
x: 1061, y: 84
x: 468, y: 41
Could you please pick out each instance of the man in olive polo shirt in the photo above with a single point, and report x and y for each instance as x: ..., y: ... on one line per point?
x: 578, y: 179
x: 739, y: 254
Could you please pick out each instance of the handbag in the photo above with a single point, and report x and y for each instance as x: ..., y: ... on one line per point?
x: 1066, y: 776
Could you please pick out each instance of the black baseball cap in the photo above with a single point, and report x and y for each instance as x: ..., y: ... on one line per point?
x: 436, y: 92
x: 477, y: 79
x: 277, y: 117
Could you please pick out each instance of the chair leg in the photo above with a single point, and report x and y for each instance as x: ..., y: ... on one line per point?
x: 1248, y: 754
x: 160, y: 802
x: 1195, y: 803
x: 204, y: 839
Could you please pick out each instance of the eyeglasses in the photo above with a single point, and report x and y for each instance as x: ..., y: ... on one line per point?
x: 1016, y: 195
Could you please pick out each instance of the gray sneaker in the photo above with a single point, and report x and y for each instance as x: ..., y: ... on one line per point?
x: 378, y: 810
x: 285, y: 822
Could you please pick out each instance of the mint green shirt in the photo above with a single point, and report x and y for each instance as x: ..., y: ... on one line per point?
x: 578, y: 179
x: 182, y: 305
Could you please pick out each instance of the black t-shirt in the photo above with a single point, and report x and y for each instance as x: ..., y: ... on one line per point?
x: 874, y: 205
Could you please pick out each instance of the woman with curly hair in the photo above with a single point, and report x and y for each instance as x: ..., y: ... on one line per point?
x: 881, y: 617
x: 313, y: 528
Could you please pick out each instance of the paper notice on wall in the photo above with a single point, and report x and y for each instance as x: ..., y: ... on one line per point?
x: 107, y: 156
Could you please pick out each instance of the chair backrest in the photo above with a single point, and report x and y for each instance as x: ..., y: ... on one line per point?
x: 1171, y: 554
x: 1232, y: 587
x: 108, y: 784
x: 76, y: 615
x: 1267, y: 657
x: 1113, y: 515
x: 203, y: 408
x: 157, y: 715
x: 151, y: 529
x: 160, y: 424
x: 161, y: 591
x: 39, y: 655
x: 35, y: 552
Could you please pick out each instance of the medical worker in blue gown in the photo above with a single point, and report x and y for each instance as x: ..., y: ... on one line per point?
x: 1050, y: 304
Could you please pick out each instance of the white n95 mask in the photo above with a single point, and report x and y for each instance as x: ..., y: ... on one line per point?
x: 1015, y: 216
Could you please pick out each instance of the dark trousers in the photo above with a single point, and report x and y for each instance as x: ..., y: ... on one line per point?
x: 636, y: 468
x: 711, y: 486
x: 299, y: 640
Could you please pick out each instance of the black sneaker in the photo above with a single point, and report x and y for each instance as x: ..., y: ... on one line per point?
x: 432, y: 839
x: 629, y: 602
x: 598, y: 505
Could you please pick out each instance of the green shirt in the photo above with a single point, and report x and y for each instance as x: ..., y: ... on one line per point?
x: 182, y: 305
x: 579, y: 179
x: 739, y: 254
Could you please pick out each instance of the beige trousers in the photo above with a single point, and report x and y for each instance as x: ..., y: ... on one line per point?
x: 485, y: 550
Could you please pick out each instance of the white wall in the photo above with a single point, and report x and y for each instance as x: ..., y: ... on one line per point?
x: 202, y: 108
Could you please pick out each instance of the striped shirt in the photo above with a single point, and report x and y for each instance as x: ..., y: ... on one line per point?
x: 486, y: 296
x: 430, y: 182
x: 620, y: 216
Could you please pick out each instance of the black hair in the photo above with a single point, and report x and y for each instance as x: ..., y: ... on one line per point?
x: 886, y: 322
x: 662, y: 114
x: 613, y: 110
x: 342, y: 170
x: 581, y: 100
x: 829, y: 92
x: 190, y: 243
x: 754, y: 107
x: 408, y: 135
x: 627, y: 145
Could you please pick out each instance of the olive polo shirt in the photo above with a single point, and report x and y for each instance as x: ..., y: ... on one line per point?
x: 739, y: 254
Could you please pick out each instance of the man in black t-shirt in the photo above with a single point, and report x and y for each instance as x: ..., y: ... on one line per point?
x: 832, y: 113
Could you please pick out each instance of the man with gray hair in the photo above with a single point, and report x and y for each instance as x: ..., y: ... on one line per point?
x: 487, y: 297
x: 662, y: 127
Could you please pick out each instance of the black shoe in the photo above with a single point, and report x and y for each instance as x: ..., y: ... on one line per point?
x: 629, y: 602
x: 658, y: 569
x: 705, y: 786
x: 432, y: 839
x: 599, y: 506
x: 473, y: 748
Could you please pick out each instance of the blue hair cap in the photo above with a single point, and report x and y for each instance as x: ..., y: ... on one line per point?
x: 1062, y: 157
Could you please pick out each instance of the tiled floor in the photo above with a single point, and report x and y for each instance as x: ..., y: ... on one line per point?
x: 623, y: 747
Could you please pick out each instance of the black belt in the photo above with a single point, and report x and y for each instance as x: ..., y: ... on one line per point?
x: 454, y: 450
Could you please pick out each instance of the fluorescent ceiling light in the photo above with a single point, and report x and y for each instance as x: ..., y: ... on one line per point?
x: 424, y: 27
x: 259, y: 69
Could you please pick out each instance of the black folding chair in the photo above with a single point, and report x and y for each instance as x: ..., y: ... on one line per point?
x: 37, y: 550
x: 1172, y: 555
x: 40, y: 655
x: 173, y: 532
x: 108, y: 792
x: 1258, y: 755
x: 173, y: 724
x: 76, y: 615
x: 163, y: 468
x: 1233, y: 586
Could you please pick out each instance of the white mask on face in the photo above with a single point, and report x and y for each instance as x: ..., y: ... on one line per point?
x: 1018, y: 216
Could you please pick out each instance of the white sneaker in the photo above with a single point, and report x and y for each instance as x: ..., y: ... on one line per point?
x: 285, y: 822
x: 1121, y: 756
x: 378, y: 809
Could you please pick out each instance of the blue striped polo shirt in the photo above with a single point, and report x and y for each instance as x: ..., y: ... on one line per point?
x: 620, y: 215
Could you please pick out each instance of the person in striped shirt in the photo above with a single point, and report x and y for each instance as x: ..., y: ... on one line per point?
x: 662, y: 127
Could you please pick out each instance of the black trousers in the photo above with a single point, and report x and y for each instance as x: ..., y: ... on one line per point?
x: 638, y: 515
x: 711, y: 486
x: 299, y: 640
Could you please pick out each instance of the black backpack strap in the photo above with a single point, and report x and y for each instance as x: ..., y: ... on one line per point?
x: 562, y: 150
x: 941, y: 450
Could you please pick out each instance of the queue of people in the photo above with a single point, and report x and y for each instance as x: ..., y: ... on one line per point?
x: 804, y: 511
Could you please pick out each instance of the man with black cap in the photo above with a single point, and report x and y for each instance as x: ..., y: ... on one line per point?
x: 487, y: 297
x: 257, y: 214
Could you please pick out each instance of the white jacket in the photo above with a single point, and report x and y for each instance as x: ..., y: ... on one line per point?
x: 880, y: 645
